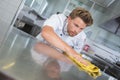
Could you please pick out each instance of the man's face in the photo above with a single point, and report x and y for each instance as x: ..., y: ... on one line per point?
x: 75, y: 26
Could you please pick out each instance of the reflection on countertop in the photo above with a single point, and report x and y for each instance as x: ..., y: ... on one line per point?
x: 16, y: 61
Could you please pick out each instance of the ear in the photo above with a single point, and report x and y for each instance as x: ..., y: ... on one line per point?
x: 69, y: 18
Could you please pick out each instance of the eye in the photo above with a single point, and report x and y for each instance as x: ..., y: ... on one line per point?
x: 76, y: 25
x: 81, y: 28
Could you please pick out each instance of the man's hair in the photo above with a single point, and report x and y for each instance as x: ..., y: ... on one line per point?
x: 83, y: 14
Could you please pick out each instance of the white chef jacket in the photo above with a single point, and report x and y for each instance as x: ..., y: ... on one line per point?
x: 59, y: 23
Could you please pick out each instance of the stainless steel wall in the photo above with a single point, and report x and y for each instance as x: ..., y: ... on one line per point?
x: 8, y: 11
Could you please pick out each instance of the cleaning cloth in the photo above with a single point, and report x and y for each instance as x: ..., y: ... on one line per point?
x: 91, y: 69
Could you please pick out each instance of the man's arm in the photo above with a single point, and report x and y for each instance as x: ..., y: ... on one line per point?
x: 51, y: 52
x: 49, y: 35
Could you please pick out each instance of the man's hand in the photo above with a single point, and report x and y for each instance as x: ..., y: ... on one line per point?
x: 80, y: 59
x: 76, y: 57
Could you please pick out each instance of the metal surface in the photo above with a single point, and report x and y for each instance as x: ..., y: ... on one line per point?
x: 17, y: 61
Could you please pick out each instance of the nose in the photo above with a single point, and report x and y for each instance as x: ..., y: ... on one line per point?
x: 78, y: 31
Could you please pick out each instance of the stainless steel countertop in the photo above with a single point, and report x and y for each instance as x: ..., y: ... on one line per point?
x: 16, y: 60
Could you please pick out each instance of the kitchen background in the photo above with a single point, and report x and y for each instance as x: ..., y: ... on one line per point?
x: 31, y: 14
x: 101, y: 10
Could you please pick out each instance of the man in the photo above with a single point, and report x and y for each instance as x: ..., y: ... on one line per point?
x: 64, y: 34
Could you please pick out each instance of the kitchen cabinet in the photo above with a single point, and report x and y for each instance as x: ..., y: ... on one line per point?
x: 118, y: 31
x: 112, y: 25
x: 29, y: 21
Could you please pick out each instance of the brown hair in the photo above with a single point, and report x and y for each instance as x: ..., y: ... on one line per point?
x: 83, y: 14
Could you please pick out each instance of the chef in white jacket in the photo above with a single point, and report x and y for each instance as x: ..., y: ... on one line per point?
x: 64, y: 34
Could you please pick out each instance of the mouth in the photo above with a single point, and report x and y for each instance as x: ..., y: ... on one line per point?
x: 72, y: 34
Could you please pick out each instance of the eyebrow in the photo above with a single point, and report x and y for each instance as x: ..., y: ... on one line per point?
x: 76, y: 25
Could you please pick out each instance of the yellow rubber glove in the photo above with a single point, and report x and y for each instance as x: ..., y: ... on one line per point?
x: 91, y: 69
